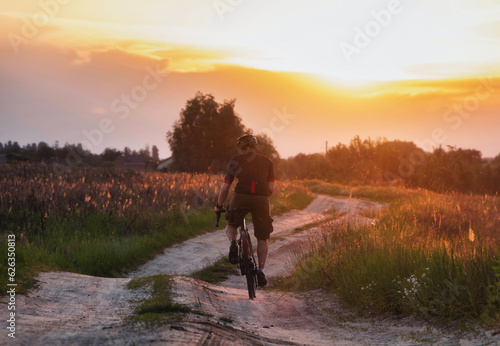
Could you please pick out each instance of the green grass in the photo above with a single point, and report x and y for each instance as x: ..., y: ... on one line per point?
x: 430, y: 255
x: 375, y: 193
x: 289, y: 196
x: 98, y: 245
x: 159, y: 307
x: 216, y: 272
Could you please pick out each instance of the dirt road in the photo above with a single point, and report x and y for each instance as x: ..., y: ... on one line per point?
x: 70, y: 308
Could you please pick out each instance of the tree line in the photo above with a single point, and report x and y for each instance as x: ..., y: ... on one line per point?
x: 203, y: 140
x: 43, y: 152
x: 383, y: 162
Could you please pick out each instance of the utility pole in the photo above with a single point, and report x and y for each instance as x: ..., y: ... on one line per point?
x: 326, y: 147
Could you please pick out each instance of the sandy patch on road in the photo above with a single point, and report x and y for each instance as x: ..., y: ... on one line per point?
x: 71, y: 308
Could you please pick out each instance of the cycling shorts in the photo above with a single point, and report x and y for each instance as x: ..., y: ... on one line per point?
x: 258, y: 206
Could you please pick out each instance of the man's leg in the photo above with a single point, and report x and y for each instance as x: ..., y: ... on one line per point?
x: 262, y: 251
x: 231, y: 232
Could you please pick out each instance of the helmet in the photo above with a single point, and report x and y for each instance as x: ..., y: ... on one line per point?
x: 246, y: 141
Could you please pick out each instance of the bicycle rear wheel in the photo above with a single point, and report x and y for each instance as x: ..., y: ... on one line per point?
x: 249, y: 267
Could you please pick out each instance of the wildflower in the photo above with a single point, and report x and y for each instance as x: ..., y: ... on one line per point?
x: 472, y: 236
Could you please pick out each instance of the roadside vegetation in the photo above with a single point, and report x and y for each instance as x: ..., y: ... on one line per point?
x: 158, y: 308
x: 105, y: 222
x: 381, y: 194
x: 432, y: 255
x: 216, y: 272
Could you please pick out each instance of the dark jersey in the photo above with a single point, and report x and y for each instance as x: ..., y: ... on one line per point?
x: 253, y: 171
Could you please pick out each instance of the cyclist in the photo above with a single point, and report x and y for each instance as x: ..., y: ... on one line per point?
x: 255, y: 185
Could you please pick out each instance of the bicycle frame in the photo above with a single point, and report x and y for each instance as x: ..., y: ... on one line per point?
x: 246, y: 258
x: 243, y: 231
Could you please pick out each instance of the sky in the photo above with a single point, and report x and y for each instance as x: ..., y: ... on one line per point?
x: 116, y: 73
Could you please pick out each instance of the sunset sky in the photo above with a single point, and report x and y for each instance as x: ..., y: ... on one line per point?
x: 116, y: 73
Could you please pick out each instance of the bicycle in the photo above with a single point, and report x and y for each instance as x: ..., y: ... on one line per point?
x: 246, y: 258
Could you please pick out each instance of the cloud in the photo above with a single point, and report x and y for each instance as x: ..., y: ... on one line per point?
x: 489, y: 30
x: 174, y: 58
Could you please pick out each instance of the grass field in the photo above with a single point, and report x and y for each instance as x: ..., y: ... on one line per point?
x: 106, y: 222
x: 434, y: 255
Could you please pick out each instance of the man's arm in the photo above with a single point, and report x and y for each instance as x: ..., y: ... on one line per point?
x: 224, y: 191
x: 270, y: 186
x: 270, y: 179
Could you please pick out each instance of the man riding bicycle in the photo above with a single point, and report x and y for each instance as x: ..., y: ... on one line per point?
x: 255, y: 185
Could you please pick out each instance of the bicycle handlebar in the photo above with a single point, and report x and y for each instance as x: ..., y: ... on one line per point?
x: 242, y: 211
x: 218, y: 216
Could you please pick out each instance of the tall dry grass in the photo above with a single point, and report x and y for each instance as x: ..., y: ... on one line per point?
x: 429, y: 254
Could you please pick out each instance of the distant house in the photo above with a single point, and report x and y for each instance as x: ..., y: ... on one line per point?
x: 132, y: 162
x: 165, y: 163
x: 3, y: 158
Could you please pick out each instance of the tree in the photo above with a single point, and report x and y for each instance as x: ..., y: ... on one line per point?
x: 155, y: 153
x: 204, y: 137
x: 145, y: 153
x: 127, y: 152
x: 110, y: 154
x: 44, y: 151
x: 266, y: 147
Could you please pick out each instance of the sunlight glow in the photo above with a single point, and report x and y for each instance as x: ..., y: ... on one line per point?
x: 393, y: 40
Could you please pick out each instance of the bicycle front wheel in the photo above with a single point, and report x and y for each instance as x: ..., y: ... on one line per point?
x: 251, y: 283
